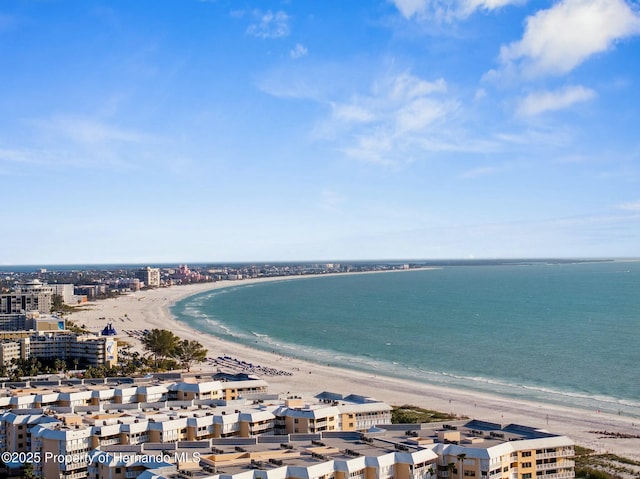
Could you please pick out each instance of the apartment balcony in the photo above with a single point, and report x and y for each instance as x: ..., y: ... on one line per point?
x: 110, y: 442
x: 555, y: 465
x: 569, y: 474
x: 260, y: 427
x: 77, y: 463
x: 138, y: 440
x: 77, y: 475
x: 550, y: 455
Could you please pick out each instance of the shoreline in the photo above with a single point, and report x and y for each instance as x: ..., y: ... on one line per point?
x: 151, y: 309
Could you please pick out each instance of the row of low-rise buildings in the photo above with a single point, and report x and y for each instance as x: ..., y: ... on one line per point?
x: 233, y: 429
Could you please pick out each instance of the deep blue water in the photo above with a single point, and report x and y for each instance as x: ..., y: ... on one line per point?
x: 564, y: 333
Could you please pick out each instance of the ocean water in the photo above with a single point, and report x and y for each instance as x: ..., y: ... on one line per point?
x: 561, y: 333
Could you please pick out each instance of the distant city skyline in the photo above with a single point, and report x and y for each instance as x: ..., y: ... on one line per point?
x: 191, y: 131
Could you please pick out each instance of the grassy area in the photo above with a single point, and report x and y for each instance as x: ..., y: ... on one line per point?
x: 604, y: 466
x: 415, y: 415
x: 71, y: 326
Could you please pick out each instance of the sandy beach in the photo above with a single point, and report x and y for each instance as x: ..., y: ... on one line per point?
x: 150, y: 309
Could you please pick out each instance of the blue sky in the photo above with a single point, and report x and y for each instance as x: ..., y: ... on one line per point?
x: 187, y: 131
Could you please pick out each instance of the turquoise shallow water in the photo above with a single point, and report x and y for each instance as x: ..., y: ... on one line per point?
x: 563, y: 333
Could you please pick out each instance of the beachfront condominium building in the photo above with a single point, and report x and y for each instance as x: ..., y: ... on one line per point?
x: 27, y: 296
x: 507, y: 452
x: 149, y: 276
x: 88, y: 349
x: 65, y: 291
x: 333, y: 412
x: 242, y: 439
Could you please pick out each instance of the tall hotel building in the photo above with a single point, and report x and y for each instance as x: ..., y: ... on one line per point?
x: 28, y: 296
x: 149, y: 276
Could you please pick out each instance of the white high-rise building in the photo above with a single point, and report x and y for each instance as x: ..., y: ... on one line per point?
x: 149, y: 276
x: 28, y: 296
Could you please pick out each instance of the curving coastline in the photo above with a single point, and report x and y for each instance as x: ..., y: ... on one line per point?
x: 150, y: 309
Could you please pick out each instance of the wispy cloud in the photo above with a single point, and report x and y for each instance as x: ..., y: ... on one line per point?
x: 479, y: 172
x: 269, y: 24
x: 558, y: 39
x: 392, y: 119
x: 86, y: 131
x: 447, y: 10
x: 298, y: 51
x: 539, y: 102
x: 15, y: 156
x: 82, y: 142
x: 331, y: 201
x: 631, y: 206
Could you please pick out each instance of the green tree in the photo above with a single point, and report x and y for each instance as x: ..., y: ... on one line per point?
x: 25, y: 367
x: 189, y: 352
x: 28, y: 471
x: 161, y: 343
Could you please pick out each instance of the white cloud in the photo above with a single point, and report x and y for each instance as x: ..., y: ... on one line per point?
x: 631, y: 206
x: 352, y: 113
x: 409, y: 8
x: 15, y: 156
x: 331, y: 201
x: 560, y: 38
x: 86, y: 131
x: 470, y: 6
x: 408, y: 87
x: 269, y: 24
x: 480, y: 94
x: 420, y: 113
x: 540, y: 102
x: 447, y: 10
x: 478, y: 172
x: 298, y: 51
x: 395, y: 119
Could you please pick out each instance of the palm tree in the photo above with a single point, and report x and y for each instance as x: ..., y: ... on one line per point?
x: 451, y: 466
x: 59, y: 365
x: 461, y: 457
